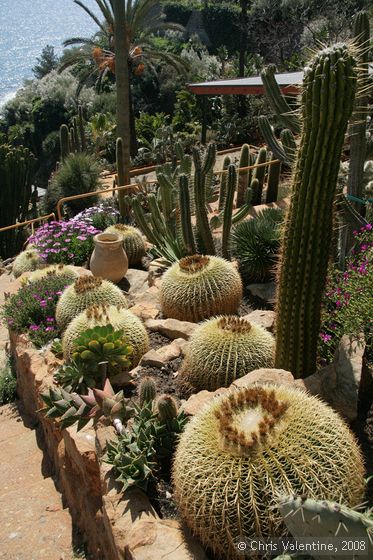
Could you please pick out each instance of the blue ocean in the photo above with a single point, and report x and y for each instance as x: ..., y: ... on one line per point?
x: 27, y: 26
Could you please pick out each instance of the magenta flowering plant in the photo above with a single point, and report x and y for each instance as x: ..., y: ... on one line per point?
x: 68, y: 242
x: 32, y: 309
x: 348, y: 302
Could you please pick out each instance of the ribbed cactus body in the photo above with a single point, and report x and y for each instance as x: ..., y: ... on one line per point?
x: 274, y: 171
x: 199, y: 287
x: 327, y: 100
x: 202, y: 170
x: 228, y: 209
x: 134, y: 332
x: 27, y: 261
x: 245, y: 447
x: 223, y: 182
x: 133, y: 242
x: 86, y: 291
x: 64, y: 141
x: 259, y: 175
x: 223, y: 349
x: 244, y: 177
x: 54, y: 269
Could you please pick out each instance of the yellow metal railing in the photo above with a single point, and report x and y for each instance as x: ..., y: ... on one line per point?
x: 28, y: 222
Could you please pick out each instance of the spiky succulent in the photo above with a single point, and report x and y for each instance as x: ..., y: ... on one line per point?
x: 255, y: 243
x: 147, y: 445
x: 248, y: 445
x: 305, y: 517
x: 55, y: 269
x: 120, y: 318
x: 223, y: 349
x: 147, y: 391
x: 133, y: 242
x: 85, y: 292
x: 69, y: 408
x: 199, y: 287
x: 27, y: 261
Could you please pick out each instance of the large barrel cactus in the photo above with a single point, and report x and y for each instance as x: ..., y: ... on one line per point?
x: 223, y: 349
x: 250, y: 445
x: 199, y: 287
x: 27, y: 261
x: 86, y: 291
x: 327, y: 99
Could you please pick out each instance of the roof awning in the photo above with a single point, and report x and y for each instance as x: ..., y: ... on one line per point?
x: 247, y: 86
x: 289, y: 84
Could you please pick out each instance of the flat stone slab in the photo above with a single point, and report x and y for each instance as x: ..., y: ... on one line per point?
x: 33, y: 522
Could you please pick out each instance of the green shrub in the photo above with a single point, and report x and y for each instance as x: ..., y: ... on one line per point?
x: 79, y: 173
x: 8, y: 384
x: 31, y: 310
x: 255, y: 244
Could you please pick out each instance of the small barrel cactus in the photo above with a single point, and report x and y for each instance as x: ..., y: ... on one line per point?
x: 147, y: 391
x: 199, y: 287
x: 27, y: 261
x: 166, y: 408
x: 249, y: 445
x: 133, y: 242
x: 86, y: 291
x: 54, y: 269
x: 120, y: 318
x: 223, y: 349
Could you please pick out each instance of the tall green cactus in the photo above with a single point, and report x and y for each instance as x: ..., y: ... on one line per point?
x: 328, y: 93
x: 273, y: 181
x: 273, y: 143
x: 78, y: 147
x: 186, y: 218
x: 223, y: 182
x: 285, y: 114
x: 80, y: 118
x: 202, y: 170
x: 228, y: 208
x: 357, y: 129
x: 244, y: 177
x: 259, y: 174
x: 64, y: 141
x: 16, y: 168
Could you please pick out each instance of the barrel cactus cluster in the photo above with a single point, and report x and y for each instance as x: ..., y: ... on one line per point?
x: 27, y: 261
x: 223, y: 349
x: 200, y: 286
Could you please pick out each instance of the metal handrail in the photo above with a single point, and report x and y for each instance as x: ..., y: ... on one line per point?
x: 27, y: 222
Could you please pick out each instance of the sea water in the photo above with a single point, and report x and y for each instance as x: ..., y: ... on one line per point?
x: 27, y: 26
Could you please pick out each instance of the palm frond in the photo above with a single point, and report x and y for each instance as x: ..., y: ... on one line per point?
x: 90, y: 13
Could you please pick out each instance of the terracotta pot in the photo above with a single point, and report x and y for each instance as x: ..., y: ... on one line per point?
x: 108, y: 259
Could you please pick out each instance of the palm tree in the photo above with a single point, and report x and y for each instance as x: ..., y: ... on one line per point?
x: 97, y: 57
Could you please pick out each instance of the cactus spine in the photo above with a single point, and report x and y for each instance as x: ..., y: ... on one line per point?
x: 64, y: 141
x: 228, y: 208
x: 328, y: 94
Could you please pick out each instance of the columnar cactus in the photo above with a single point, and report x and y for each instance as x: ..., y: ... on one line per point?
x: 245, y: 447
x: 244, y: 177
x: 327, y: 99
x: 259, y: 174
x: 86, y: 291
x: 202, y: 171
x: 223, y: 349
x: 133, y: 242
x: 273, y: 181
x: 286, y: 116
x: 228, y: 209
x: 223, y: 182
x: 199, y: 287
x: 64, y: 141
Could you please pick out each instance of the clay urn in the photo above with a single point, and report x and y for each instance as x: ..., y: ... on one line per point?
x: 108, y: 259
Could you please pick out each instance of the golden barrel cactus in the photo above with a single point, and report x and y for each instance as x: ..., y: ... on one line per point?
x: 133, y: 242
x: 200, y: 286
x: 250, y: 445
x: 86, y: 291
x: 54, y: 269
x: 223, y: 349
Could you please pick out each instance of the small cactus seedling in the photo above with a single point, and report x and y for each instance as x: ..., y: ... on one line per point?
x: 317, y: 519
x: 147, y: 391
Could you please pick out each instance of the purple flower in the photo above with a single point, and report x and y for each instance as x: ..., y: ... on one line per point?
x: 326, y: 337
x: 34, y: 327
